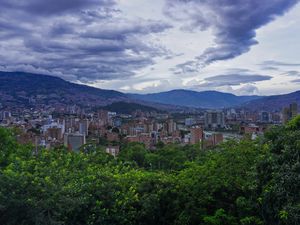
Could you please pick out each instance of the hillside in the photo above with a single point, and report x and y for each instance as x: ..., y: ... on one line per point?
x: 25, y: 89
x: 205, y: 99
x: 128, y: 107
x: 272, y: 103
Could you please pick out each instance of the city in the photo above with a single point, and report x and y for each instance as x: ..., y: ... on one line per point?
x: 74, y: 127
x: 138, y: 112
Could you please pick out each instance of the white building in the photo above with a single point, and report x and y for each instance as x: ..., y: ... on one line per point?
x: 112, y: 150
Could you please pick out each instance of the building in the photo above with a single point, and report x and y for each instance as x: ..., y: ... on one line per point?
x: 171, y: 126
x: 6, y: 115
x: 293, y: 110
x: 103, y: 117
x: 54, y: 133
x: 74, y: 141
x: 289, y: 113
x: 214, y: 119
x: 113, y: 150
x: 111, y: 136
x: 117, y: 122
x: 54, y: 130
x: 285, y: 115
x: 189, y: 122
x: 146, y: 139
x: 265, y: 117
x: 252, y: 129
x: 84, y: 127
x: 213, y: 139
x: 217, y: 138
x: 196, y: 135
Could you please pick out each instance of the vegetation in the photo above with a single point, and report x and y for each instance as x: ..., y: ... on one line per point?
x: 245, y: 182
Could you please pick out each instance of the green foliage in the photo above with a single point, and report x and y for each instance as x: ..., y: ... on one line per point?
x: 278, y: 175
x: 239, y: 182
x: 220, y: 218
x: 294, y: 123
x: 134, y: 152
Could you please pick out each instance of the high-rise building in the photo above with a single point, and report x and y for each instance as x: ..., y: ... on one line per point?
x: 103, y: 117
x: 196, y: 135
x: 74, y: 141
x: 84, y: 127
x: 289, y: 112
x: 285, y: 115
x: 171, y: 126
x: 214, y: 119
x: 293, y: 110
x: 265, y: 117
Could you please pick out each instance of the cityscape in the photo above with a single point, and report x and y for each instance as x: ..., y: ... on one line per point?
x: 74, y: 127
x: 137, y: 112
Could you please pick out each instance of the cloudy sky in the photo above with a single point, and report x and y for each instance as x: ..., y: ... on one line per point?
x: 239, y: 46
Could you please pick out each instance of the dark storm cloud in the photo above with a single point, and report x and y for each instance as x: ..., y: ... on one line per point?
x: 83, y: 40
x: 121, y: 31
x: 53, y: 7
x: 233, y: 23
x: 233, y: 80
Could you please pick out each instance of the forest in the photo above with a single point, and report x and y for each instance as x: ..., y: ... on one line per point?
x: 238, y: 182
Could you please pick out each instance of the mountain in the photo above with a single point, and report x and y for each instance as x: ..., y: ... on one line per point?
x: 204, y: 99
x: 273, y: 103
x: 129, y: 107
x: 26, y: 88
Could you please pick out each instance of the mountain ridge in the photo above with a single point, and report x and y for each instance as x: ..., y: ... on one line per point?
x: 189, y: 98
x: 274, y: 102
x: 20, y: 88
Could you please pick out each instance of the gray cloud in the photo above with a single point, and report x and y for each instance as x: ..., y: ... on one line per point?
x: 233, y: 23
x: 187, y: 67
x: 293, y: 73
x: 238, y: 70
x: 278, y: 63
x: 81, y: 40
x: 270, y: 68
x: 53, y: 7
x: 248, y: 89
x: 232, y: 80
x: 296, y: 81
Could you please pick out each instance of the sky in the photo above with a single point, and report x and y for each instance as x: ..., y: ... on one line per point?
x: 244, y: 47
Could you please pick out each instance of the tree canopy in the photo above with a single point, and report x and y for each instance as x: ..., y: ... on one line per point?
x: 238, y: 182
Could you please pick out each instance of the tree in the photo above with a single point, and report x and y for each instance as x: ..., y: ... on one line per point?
x: 134, y: 152
x: 278, y: 174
